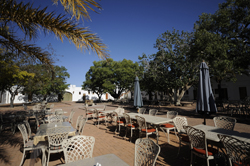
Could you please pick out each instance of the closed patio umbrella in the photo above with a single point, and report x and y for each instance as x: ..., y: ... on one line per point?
x: 205, y: 98
x: 137, y: 94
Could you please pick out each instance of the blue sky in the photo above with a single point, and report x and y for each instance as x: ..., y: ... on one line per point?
x: 128, y: 27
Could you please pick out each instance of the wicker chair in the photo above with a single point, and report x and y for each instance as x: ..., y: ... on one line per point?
x: 146, y: 152
x: 168, y: 126
x: 28, y: 144
x: 179, y: 122
x: 56, y: 135
x: 81, y: 126
x: 143, y: 127
x: 224, y: 122
x: 118, y: 121
x: 238, y: 152
x: 55, y: 118
x: 142, y: 111
x: 198, y: 144
x: 78, y: 148
x: 153, y: 112
x: 129, y: 125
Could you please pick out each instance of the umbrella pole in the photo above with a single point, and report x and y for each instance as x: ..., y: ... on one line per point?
x: 204, y: 116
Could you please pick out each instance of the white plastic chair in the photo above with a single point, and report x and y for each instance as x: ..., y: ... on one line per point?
x: 142, y: 111
x: 79, y: 118
x: 55, y: 118
x: 146, y: 152
x: 56, y: 135
x: 99, y: 117
x: 81, y: 126
x: 168, y: 126
x: 78, y: 148
x: 153, y: 112
x: 71, y: 116
x: 224, y: 122
x: 59, y: 111
x: 28, y: 144
x: 118, y: 121
x: 129, y: 125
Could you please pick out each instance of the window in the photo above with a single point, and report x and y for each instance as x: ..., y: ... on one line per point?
x: 243, y: 92
x: 89, y: 92
x: 79, y: 93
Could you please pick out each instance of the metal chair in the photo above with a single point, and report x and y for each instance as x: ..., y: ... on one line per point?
x: 179, y: 122
x: 238, y: 152
x: 79, y: 118
x: 142, y: 111
x: 78, y: 148
x: 198, y: 144
x: 99, y: 117
x: 224, y: 122
x: 118, y: 121
x: 81, y: 126
x: 55, y: 118
x: 153, y: 112
x: 168, y: 126
x: 28, y: 144
x: 56, y: 135
x: 59, y: 111
x: 129, y: 125
x: 71, y: 116
x: 143, y: 127
x: 146, y: 152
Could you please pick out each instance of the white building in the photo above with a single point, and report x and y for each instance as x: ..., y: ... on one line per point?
x: 72, y: 93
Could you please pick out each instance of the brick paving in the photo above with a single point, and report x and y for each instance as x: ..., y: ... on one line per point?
x: 107, y: 142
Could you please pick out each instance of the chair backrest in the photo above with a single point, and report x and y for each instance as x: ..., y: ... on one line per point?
x: 25, y: 107
x: 146, y: 152
x: 55, y: 118
x: 153, y: 112
x: 79, y: 118
x: 120, y: 111
x: 71, y: 116
x: 172, y: 114
x: 56, y: 135
x: 81, y: 125
x: 141, y: 122
x: 197, y: 138
x: 28, y: 128
x: 179, y: 122
x: 224, y: 122
x: 24, y: 133
x: 78, y: 148
x: 237, y: 151
x: 127, y: 118
x: 59, y: 111
x: 142, y: 110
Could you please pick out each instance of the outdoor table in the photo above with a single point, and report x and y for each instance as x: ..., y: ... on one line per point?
x: 64, y: 117
x: 156, y: 120
x: 212, y: 132
x: 41, y: 134
x: 104, y: 160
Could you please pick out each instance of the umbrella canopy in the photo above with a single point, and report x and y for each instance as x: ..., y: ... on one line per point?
x: 205, y: 98
x: 137, y: 94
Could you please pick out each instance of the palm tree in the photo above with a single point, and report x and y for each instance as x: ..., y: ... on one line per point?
x: 30, y: 20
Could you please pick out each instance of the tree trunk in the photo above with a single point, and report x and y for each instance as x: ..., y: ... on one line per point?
x: 30, y: 97
x: 12, y: 97
x: 179, y: 97
x: 219, y: 90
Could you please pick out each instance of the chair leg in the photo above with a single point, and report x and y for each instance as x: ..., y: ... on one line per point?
x: 24, y: 152
x: 191, y: 160
x: 48, y: 158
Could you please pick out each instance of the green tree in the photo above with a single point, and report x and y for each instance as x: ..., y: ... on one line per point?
x: 170, y: 68
x: 222, y: 40
x: 30, y: 20
x: 46, y: 81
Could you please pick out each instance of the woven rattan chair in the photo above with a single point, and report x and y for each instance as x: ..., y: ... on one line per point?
x: 146, y: 152
x: 143, y: 127
x: 168, y: 126
x: 129, y: 125
x: 153, y: 112
x: 78, y: 148
x: 118, y: 121
x: 198, y: 144
x: 142, y: 111
x: 55, y: 118
x: 28, y: 144
x: 224, y: 122
x: 238, y: 152
x: 81, y: 126
x: 56, y: 135
x: 179, y: 122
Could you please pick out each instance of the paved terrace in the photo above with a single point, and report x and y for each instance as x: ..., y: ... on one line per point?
x: 106, y: 142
